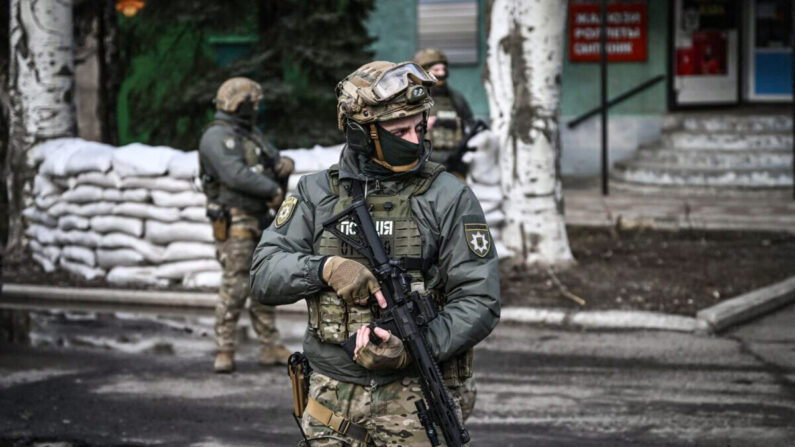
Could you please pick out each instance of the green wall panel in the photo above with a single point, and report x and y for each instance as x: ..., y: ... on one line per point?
x: 580, y: 88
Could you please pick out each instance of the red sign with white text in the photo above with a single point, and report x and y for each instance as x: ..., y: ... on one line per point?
x: 626, y: 32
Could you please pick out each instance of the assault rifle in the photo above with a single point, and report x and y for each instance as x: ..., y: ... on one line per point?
x: 406, y: 315
x: 454, y: 163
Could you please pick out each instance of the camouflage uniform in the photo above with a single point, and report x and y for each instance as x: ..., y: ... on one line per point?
x: 425, y: 217
x: 237, y: 167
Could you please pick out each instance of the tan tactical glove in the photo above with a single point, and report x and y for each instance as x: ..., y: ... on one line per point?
x: 284, y: 167
x: 352, y: 281
x: 390, y: 354
x: 276, y: 201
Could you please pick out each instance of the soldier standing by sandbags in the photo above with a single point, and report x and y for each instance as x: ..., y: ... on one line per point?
x: 450, y: 118
x: 244, y: 179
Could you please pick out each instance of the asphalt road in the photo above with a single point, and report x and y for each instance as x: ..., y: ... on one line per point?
x: 128, y: 379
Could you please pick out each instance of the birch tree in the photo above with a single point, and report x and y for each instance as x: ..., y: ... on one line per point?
x: 524, y: 63
x: 40, y: 88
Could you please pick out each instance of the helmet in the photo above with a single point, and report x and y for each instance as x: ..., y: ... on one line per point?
x: 235, y: 91
x: 429, y: 56
x: 382, y: 91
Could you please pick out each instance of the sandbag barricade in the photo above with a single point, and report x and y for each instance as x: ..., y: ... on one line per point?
x: 134, y: 215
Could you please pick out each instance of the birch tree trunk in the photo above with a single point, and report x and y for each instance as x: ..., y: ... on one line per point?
x: 40, y: 87
x: 524, y: 63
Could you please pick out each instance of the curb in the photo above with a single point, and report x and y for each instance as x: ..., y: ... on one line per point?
x: 747, y: 306
x: 20, y: 293
x: 710, y: 320
x: 601, y: 319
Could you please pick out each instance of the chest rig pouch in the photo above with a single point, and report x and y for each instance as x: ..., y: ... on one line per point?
x: 330, y: 318
x: 448, y: 129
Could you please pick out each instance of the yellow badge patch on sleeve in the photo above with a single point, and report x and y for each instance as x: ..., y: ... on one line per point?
x: 478, y: 238
x: 285, y: 211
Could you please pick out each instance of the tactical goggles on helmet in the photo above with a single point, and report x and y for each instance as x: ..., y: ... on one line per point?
x: 395, y: 80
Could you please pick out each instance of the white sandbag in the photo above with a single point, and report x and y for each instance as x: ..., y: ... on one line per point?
x: 495, y: 218
x: 490, y: 206
x: 83, y: 194
x: 312, y: 160
x: 76, y: 237
x: 194, y: 213
x: 179, y: 199
x: 486, y: 193
x: 177, y: 270
x: 104, y: 179
x: 69, y: 222
x: 46, y: 265
x: 483, y: 169
x: 178, y: 251
x: 147, y: 211
x: 91, y: 209
x: 135, y: 195
x: 81, y: 270
x: 79, y: 254
x: 136, y: 276
x: 64, y: 182
x: 112, y: 195
x: 118, y: 224
x: 40, y: 152
x: 44, y: 235
x: 151, y: 252
x: 165, y: 233
x: 202, y: 279
x: 107, y: 258
x: 158, y: 183
x: 292, y: 182
x: 86, y: 210
x: 54, y: 163
x: 45, y: 202
x: 43, y: 186
x: 91, y: 156
x: 35, y: 215
x: 51, y: 252
x: 138, y: 159
x: 184, y: 165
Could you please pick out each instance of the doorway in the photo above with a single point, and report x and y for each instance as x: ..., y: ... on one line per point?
x: 706, y: 57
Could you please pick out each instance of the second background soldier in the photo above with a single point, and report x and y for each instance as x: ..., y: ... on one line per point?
x: 244, y: 179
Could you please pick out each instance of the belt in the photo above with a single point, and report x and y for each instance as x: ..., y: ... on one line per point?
x: 336, y: 422
x: 245, y: 233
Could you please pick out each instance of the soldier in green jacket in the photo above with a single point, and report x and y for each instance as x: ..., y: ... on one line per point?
x: 244, y: 179
x: 450, y: 118
x: 426, y: 218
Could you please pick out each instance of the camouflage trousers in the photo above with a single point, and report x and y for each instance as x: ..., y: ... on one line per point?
x: 235, y: 254
x: 387, y: 412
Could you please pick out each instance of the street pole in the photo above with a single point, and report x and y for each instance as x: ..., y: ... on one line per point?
x: 603, y: 71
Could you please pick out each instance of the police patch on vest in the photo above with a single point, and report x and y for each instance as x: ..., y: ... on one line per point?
x: 285, y: 211
x: 478, y: 238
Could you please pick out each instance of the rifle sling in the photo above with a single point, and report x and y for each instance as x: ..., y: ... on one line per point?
x: 338, y: 423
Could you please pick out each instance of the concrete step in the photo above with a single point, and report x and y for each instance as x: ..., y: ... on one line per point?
x: 748, y: 178
x: 716, y: 158
x: 620, y: 186
x: 681, y: 139
x: 729, y: 122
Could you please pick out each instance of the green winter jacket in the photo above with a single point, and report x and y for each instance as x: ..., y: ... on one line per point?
x: 232, y: 153
x: 286, y: 267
